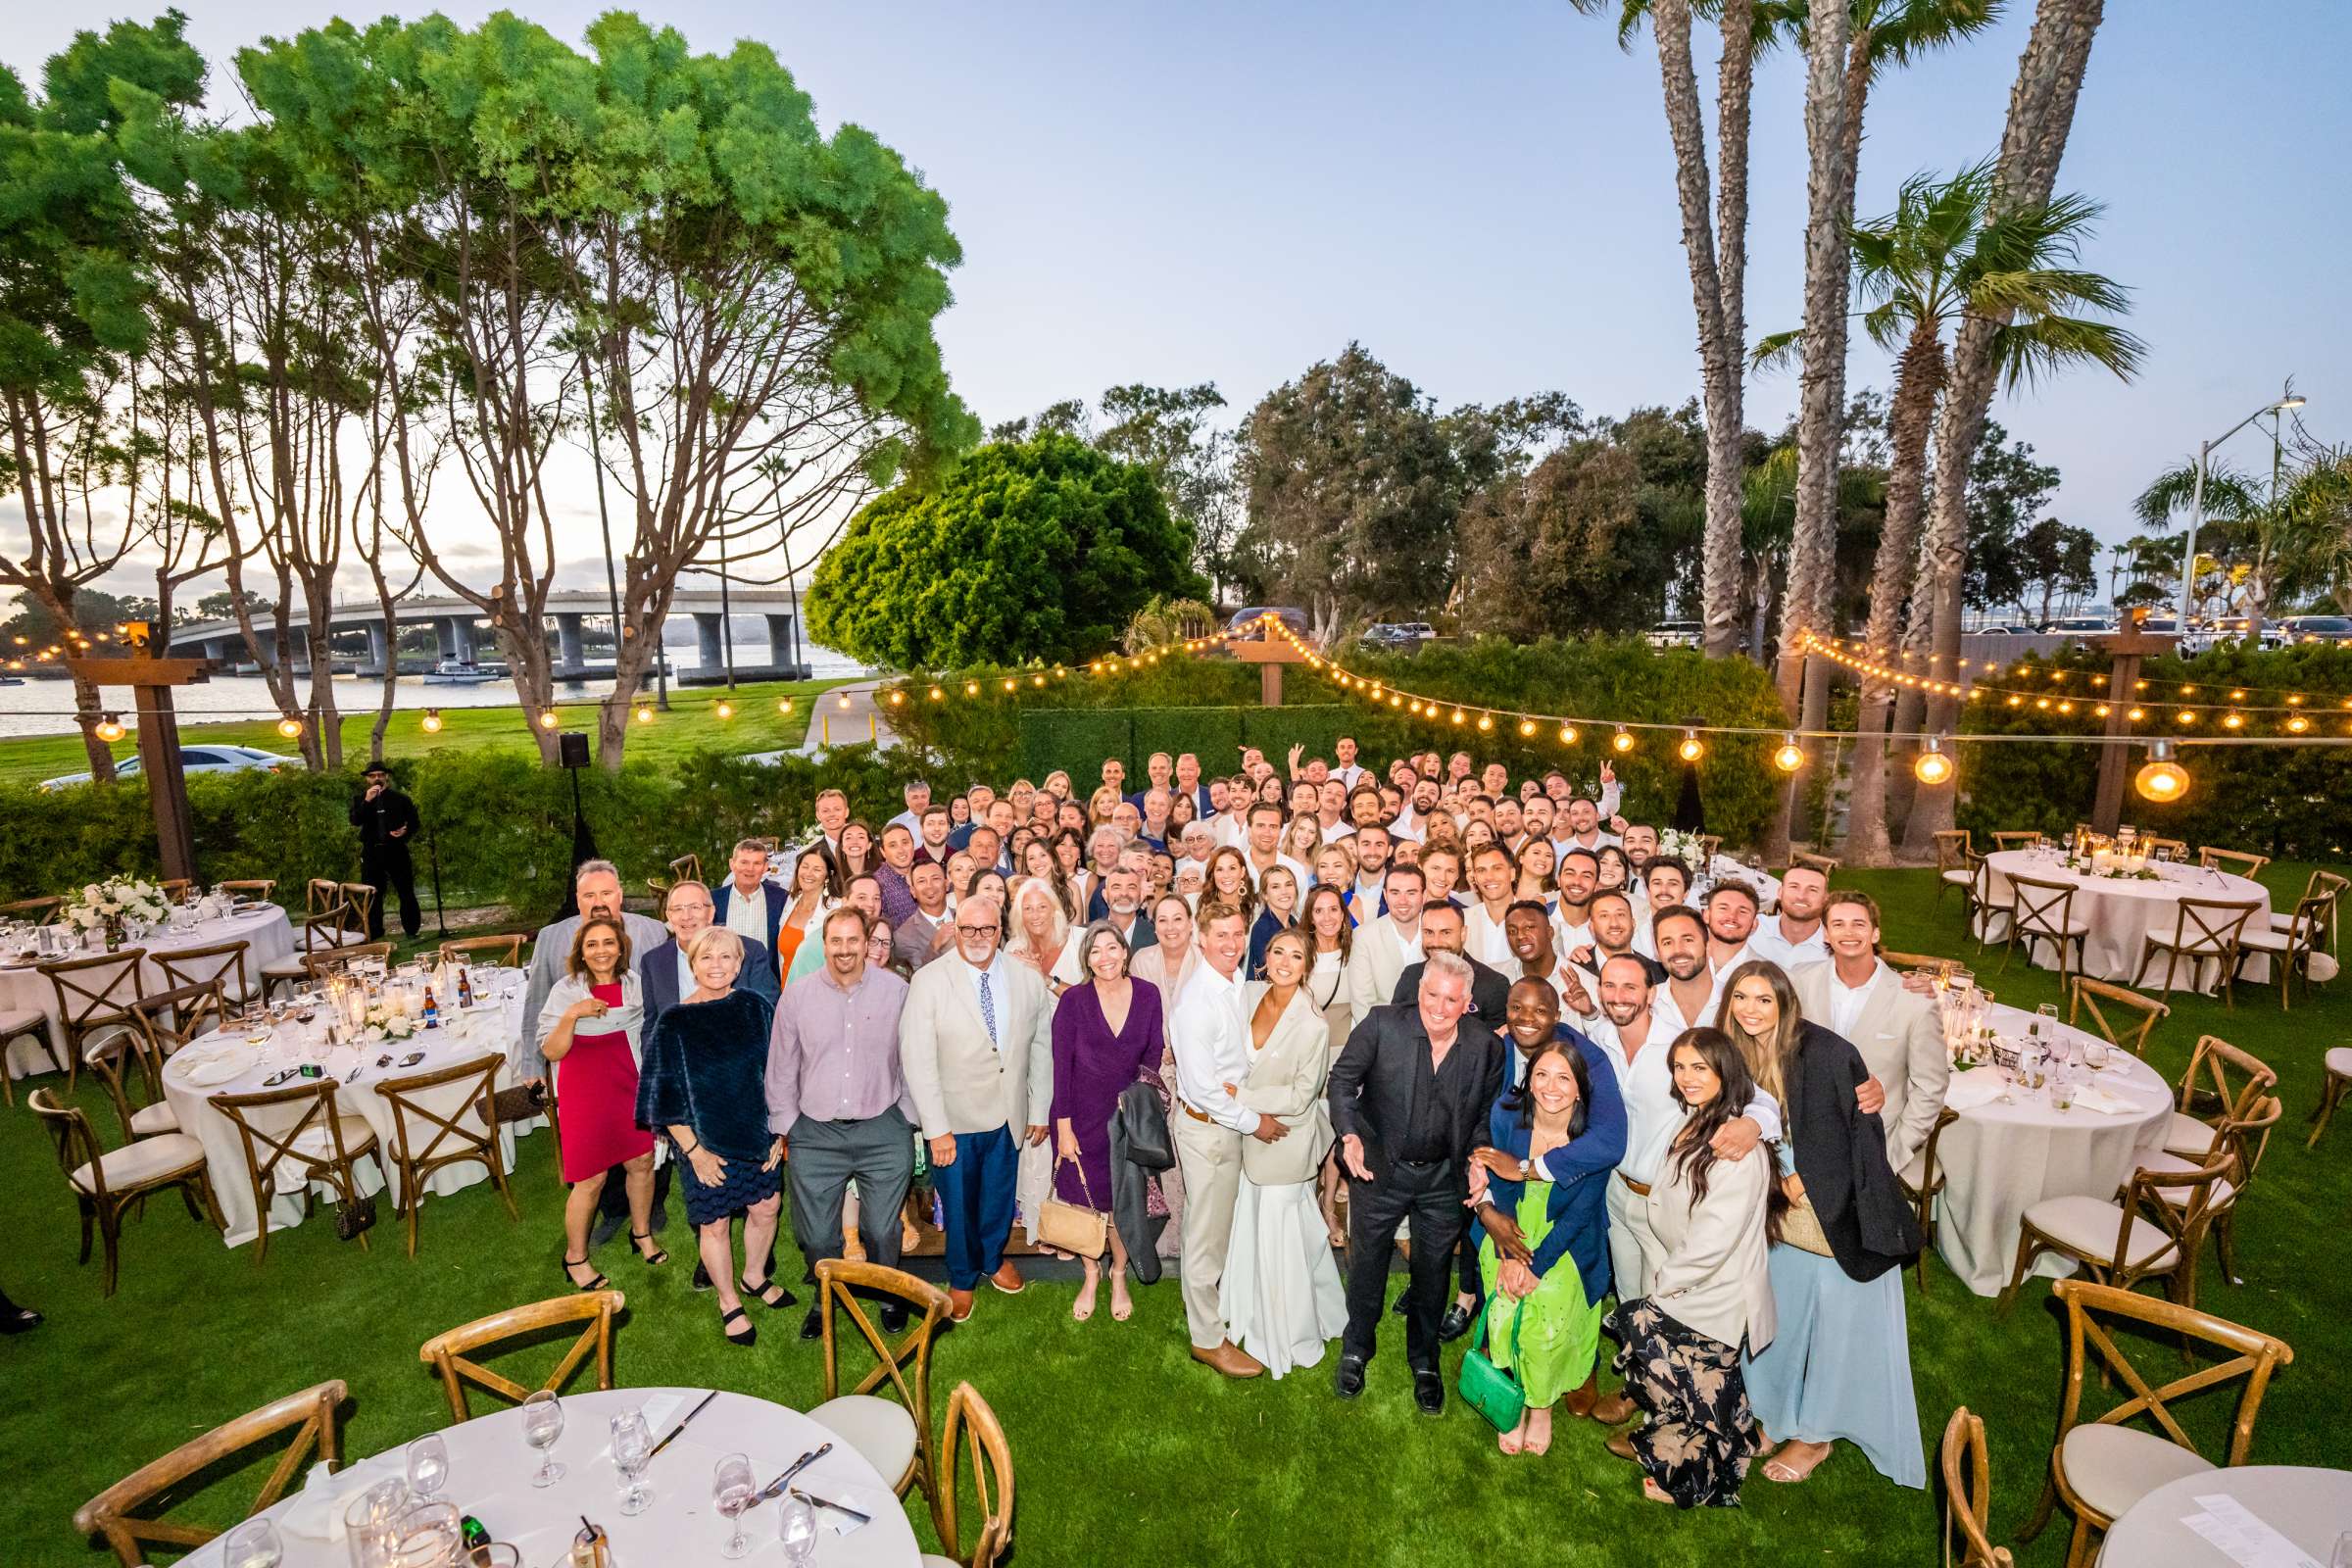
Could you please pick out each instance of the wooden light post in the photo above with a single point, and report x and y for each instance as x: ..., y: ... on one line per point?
x: 1269, y: 652
x: 2128, y: 648
x: 151, y: 681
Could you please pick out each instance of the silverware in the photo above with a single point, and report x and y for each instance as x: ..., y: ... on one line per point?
x: 681, y: 1425
x: 819, y: 1502
x: 776, y: 1487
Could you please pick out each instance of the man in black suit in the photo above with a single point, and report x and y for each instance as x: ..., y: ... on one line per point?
x: 387, y: 820
x: 662, y: 969
x: 751, y: 905
x: 1441, y: 931
x: 1409, y: 1096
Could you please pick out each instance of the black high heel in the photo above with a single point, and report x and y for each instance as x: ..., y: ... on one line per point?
x: 747, y: 1335
x: 599, y: 1283
x: 770, y: 1295
x: 653, y: 1260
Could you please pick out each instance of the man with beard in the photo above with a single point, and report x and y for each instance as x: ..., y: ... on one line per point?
x: 1640, y: 845
x: 1730, y: 918
x: 1494, y: 876
x: 1794, y: 937
x: 1372, y: 850
x: 1441, y: 931
x: 1687, y: 998
x: 1384, y: 944
x: 1613, y: 933
x: 1578, y: 876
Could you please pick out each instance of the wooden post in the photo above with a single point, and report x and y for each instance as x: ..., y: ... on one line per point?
x: 2129, y: 648
x: 151, y: 681
x: 1269, y: 653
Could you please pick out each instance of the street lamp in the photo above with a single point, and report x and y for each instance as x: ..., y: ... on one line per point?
x: 2196, y: 502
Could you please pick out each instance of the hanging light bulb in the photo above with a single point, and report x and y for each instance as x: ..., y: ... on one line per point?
x: 547, y: 720
x: 1567, y: 734
x: 2162, y: 780
x: 1933, y: 765
x: 289, y: 726
x: 2296, y: 724
x: 1486, y: 721
x: 1526, y: 727
x: 897, y: 699
x: 1623, y: 739
x: 971, y: 688
x: 645, y: 713
x: 1036, y: 680
x: 724, y: 708
x: 937, y: 694
x: 1460, y: 717
x: 110, y: 728
x: 1789, y: 756
x: 1692, y: 748
x: 432, y: 721
x: 784, y: 705
x: 2234, y: 721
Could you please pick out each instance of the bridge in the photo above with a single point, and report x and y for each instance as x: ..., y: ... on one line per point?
x: 453, y: 621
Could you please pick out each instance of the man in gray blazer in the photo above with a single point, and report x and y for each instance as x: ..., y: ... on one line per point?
x: 916, y: 940
x: 976, y: 1045
x: 1896, y: 1030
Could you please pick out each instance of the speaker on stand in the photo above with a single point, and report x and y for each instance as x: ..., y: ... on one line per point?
x: 571, y: 750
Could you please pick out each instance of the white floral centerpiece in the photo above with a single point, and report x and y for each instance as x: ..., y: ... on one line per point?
x: 387, y: 1020
x: 1678, y: 845
x: 106, y: 906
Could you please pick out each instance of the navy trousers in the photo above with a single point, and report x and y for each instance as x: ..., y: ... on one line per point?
x: 976, y: 1196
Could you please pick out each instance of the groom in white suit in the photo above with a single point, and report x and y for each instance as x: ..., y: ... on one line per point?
x: 1385, y: 945
x: 1897, y: 1031
x: 976, y: 1045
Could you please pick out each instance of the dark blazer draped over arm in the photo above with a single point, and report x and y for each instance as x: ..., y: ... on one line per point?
x: 1841, y: 1156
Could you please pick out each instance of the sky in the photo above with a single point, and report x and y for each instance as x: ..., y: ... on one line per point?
x: 1482, y: 195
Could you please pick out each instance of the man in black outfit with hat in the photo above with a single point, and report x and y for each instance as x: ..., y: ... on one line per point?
x: 387, y: 820
x: 1409, y: 1096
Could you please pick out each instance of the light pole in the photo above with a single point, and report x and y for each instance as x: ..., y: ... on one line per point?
x: 2196, y: 501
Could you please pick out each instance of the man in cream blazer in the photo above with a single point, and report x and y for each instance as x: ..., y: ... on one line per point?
x: 1385, y: 945
x: 1897, y: 1031
x: 976, y: 1045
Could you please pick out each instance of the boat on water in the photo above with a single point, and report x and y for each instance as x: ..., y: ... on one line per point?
x: 11, y: 680
x: 460, y: 672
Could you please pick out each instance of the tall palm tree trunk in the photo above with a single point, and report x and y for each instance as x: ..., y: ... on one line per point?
x: 2041, y: 116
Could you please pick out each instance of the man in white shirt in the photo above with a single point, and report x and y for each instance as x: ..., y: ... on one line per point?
x: 1730, y: 911
x: 1897, y: 1030
x: 1345, y: 769
x: 1794, y: 937
x: 1665, y: 882
x: 1264, y: 853
x: 1585, y: 831
x: 1331, y: 811
x: 1641, y: 843
x: 1579, y: 877
x: 1687, y: 998
x: 1440, y: 876
x: 1510, y: 825
x: 919, y: 795
x: 1494, y: 876
x: 1372, y: 852
x: 751, y: 906
x: 832, y: 816
x: 1232, y: 824
x: 1385, y: 945
x: 1208, y: 1034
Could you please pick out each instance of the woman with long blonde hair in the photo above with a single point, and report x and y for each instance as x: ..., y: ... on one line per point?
x: 1040, y: 927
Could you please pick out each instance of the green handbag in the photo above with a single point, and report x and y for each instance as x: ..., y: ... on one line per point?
x: 1485, y: 1387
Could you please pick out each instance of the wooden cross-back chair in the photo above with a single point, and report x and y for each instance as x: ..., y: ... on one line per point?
x: 256, y: 889
x: 896, y: 1439
x: 1921, y: 963
x: 40, y: 911
x: 310, y: 1415
x: 323, y: 929
x: 2153, y: 1229
x: 2015, y: 839
x: 2238, y: 863
x: 2100, y: 1467
x: 2321, y: 884
x: 2242, y: 1140
x: 319, y: 965
x: 2169, y: 849
x: 1982, y: 902
x: 2336, y: 1065
x: 359, y: 906
x: 1710, y: 845
x: 2205, y: 930
x: 176, y: 888
x: 450, y: 1353
x: 296, y: 1136
x: 2139, y: 1014
x: 123, y: 1056
x: 1968, y: 1505
x: 970, y: 1418
x: 1952, y: 850
x: 219, y: 968
x: 23, y: 1024
x: 105, y: 1181
x: 2045, y: 912
x: 444, y: 1117
x: 1922, y: 1182
x: 685, y: 868
x: 2291, y: 942
x: 2223, y: 1081
x: 505, y: 949
x: 93, y: 991
x: 1802, y: 859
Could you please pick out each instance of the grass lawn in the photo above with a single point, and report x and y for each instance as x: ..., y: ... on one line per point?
x: 1124, y: 1451
x: 690, y: 723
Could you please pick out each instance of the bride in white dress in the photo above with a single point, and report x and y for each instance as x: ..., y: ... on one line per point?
x: 1282, y: 1296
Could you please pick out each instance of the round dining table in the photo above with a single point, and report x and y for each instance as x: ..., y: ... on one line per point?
x: 268, y: 935
x: 237, y: 1060
x: 2122, y: 912
x: 490, y: 1470
x: 2004, y: 1156
x: 2310, y: 1507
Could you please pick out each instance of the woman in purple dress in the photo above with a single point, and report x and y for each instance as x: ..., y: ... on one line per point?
x: 1106, y: 1035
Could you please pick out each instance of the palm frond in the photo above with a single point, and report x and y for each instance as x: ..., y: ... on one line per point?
x: 2028, y: 349
x: 1778, y: 351
x: 1904, y: 29
x: 2228, y: 496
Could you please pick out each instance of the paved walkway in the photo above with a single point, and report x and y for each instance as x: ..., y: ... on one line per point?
x: 847, y: 715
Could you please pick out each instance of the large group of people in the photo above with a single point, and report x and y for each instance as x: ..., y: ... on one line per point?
x: 1591, y: 1091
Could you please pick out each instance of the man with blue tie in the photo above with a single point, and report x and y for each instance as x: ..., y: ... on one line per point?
x: 976, y: 1045
x: 751, y: 906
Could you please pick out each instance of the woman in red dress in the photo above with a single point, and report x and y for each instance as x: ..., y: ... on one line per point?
x: 589, y: 1029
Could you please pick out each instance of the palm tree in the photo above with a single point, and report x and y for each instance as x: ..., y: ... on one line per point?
x: 2292, y: 540
x: 1715, y: 241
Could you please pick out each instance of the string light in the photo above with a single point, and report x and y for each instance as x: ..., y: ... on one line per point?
x: 108, y: 728
x: 1527, y: 728
x: 784, y: 705
x: 1789, y: 756
x: 1623, y: 739
x: 1933, y: 767
x: 723, y: 708
x: 432, y: 723
x: 645, y: 713
x: 290, y: 728
x: 1567, y: 734
x: 2297, y: 724
x: 2162, y: 780
x: 547, y: 719
x: 1692, y: 748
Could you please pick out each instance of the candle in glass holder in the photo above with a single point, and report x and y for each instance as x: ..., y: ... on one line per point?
x: 2102, y: 860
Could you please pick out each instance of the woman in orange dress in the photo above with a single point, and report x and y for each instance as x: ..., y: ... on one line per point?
x: 816, y: 886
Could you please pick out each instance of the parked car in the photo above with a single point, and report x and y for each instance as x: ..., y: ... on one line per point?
x: 207, y: 759
x: 2203, y: 636
x: 1675, y: 634
x: 1398, y: 635
x: 1296, y: 620
x: 2080, y: 626
x: 2317, y: 628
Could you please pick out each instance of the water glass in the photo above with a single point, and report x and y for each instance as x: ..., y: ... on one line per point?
x: 253, y: 1545
x: 732, y: 1489
x: 632, y: 1450
x: 428, y: 1534
x: 2062, y: 1089
x: 797, y: 1527
x: 541, y: 1424
x: 428, y: 1465
x: 368, y: 1521
x: 2094, y: 1055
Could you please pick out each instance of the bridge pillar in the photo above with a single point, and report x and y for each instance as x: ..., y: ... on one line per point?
x: 713, y: 652
x: 455, y: 633
x: 379, y: 649
x: 571, y: 657
x: 222, y: 650
x: 780, y: 647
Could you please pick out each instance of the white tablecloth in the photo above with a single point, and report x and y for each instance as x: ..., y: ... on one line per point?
x: 2124, y: 912
x: 494, y: 1025
x: 490, y: 1469
x: 2310, y: 1507
x: 2001, y: 1159
x: 267, y: 933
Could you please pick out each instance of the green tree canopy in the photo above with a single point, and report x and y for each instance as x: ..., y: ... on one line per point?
x: 1041, y: 550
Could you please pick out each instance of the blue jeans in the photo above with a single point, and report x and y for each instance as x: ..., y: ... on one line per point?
x: 976, y: 1198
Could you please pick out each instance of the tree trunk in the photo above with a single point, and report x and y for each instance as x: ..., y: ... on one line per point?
x: 2041, y: 115
x: 1820, y: 424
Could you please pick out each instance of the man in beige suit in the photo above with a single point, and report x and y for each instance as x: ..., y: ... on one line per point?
x: 1896, y: 1030
x: 976, y: 1045
x: 1384, y: 944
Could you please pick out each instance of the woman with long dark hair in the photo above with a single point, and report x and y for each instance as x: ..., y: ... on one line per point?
x: 1330, y: 940
x: 1711, y: 1296
x: 1841, y: 1364
x: 858, y: 856
x: 590, y: 1029
x: 816, y: 888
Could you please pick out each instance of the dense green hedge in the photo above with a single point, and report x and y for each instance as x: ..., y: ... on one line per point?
x: 499, y: 823
x: 1079, y: 739
x: 2277, y: 801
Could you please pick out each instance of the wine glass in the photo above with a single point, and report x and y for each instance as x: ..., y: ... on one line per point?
x: 632, y: 1450
x: 428, y: 1465
x: 541, y: 1424
x: 797, y: 1527
x: 253, y: 1545
x: 2342, y: 1557
x: 732, y: 1488
x: 2094, y: 1055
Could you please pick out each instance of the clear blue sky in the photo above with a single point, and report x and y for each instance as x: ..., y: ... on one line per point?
x: 1481, y: 194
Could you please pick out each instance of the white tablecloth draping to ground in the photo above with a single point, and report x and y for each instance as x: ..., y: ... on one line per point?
x: 267, y: 933
x: 2001, y: 1159
x: 2309, y: 1507
x: 2122, y: 912
x: 490, y: 1469
x: 493, y: 1026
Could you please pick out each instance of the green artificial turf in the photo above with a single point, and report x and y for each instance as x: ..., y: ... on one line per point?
x: 1126, y: 1452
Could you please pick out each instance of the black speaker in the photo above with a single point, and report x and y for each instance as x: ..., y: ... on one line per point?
x: 572, y: 748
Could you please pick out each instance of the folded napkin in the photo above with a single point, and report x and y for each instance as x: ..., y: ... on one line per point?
x: 2090, y: 1097
x: 1974, y: 1088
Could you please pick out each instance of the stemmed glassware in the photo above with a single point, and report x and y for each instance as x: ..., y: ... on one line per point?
x: 632, y: 1450
x: 428, y: 1465
x: 255, y: 1544
x: 797, y: 1527
x: 732, y: 1488
x: 541, y: 1424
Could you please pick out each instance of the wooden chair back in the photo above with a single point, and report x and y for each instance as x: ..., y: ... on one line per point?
x: 2181, y: 1204
x: 1710, y: 845
x: 74, y: 1140
x: 1952, y: 848
x: 2169, y: 849
x: 2139, y: 1014
x: 1968, y: 1493
x: 1918, y: 960
x: 838, y: 1280
x: 2043, y: 908
x: 1980, y: 885
x: 102, y: 988
x: 40, y: 911
x: 358, y: 902
x: 444, y: 1117
x: 176, y: 888
x: 2238, y: 863
x: 505, y: 949
x: 686, y: 868
x: 220, y: 967
x: 2250, y: 1354
x: 450, y: 1353
x: 335, y: 960
x: 1799, y: 860
x: 310, y: 1415
x: 291, y: 1137
x: 259, y: 890
x: 2322, y: 884
x: 970, y: 1418
x: 2208, y: 1081
x: 2014, y: 841
x: 323, y: 916
x: 2209, y: 929
x: 120, y: 1055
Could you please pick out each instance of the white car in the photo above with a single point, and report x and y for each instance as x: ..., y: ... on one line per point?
x: 206, y: 758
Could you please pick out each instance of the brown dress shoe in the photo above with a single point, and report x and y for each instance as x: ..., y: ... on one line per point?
x: 1613, y: 1411
x: 960, y: 1304
x: 1579, y: 1401
x: 1230, y: 1359
x: 1008, y: 1279
x: 1620, y: 1443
